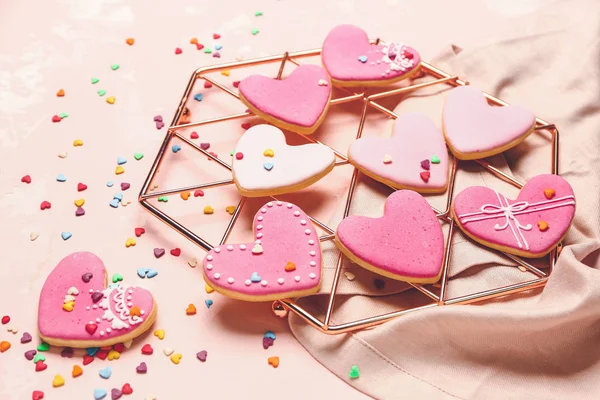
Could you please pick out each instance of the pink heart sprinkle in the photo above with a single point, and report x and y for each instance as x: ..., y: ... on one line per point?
x: 204, y: 146
x: 158, y: 118
x: 201, y: 355
x: 159, y: 124
x: 158, y: 253
x: 125, y: 185
x: 79, y: 212
x: 142, y: 368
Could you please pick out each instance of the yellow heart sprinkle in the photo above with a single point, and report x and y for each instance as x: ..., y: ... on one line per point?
x: 130, y: 242
x: 111, y: 100
x: 208, y: 289
x: 208, y: 210
x: 230, y: 209
x: 160, y: 333
x: 77, y: 142
x: 269, y: 153
x: 119, y: 170
x: 176, y: 358
x: 58, y: 381
x: 185, y: 195
x: 79, y: 202
x: 113, y: 355
x: 68, y: 306
x: 225, y: 73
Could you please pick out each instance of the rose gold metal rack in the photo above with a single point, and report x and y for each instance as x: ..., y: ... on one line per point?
x: 182, y: 119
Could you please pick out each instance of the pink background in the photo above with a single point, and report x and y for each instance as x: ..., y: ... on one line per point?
x: 46, y: 46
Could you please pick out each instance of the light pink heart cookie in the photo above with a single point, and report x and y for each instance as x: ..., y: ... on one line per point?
x: 405, y: 244
x: 76, y: 308
x: 351, y: 60
x: 474, y: 129
x: 283, y: 261
x: 530, y: 226
x: 297, y: 103
x: 415, y: 157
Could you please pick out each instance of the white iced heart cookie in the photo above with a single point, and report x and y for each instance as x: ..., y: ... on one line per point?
x: 264, y: 165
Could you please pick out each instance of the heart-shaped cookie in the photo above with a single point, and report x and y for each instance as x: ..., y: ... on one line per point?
x: 257, y: 271
x: 351, y: 60
x: 474, y: 129
x: 406, y: 243
x: 298, y: 102
x: 264, y: 165
x: 416, y: 146
x: 530, y: 226
x: 99, y: 315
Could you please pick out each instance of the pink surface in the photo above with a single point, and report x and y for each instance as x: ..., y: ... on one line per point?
x: 298, y: 99
x: 471, y: 125
x: 407, y: 240
x: 283, y: 234
x: 346, y: 43
x: 414, y: 138
x: 110, y: 313
x: 494, y: 218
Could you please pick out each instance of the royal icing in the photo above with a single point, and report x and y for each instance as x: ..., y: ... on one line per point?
x: 474, y: 129
x: 262, y: 275
x: 400, y: 160
x: 349, y: 57
x: 99, y: 313
x: 491, y: 217
x: 292, y: 166
x: 406, y: 243
x: 299, y: 99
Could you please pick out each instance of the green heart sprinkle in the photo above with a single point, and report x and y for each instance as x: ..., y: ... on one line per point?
x: 95, y: 80
x: 231, y: 154
x: 114, y: 67
x: 39, y: 357
x: 117, y: 278
x: 435, y: 159
x: 101, y: 92
x: 354, y: 372
x: 43, y: 347
x: 255, y: 31
x: 63, y: 115
x: 258, y: 14
x: 164, y: 199
x: 138, y: 156
x: 207, y: 50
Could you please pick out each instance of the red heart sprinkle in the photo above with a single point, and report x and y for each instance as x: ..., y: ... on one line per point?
x: 246, y: 125
x: 119, y: 347
x: 101, y: 354
x: 425, y: 176
x: 91, y: 328
x: 204, y: 146
x: 106, y: 348
x: 176, y: 252
x: 212, y: 153
x: 56, y: 118
x: 26, y: 179
x: 199, y: 46
x: 127, y: 389
x: 198, y: 193
x: 81, y: 187
x: 194, y: 135
x: 40, y: 366
x: 139, y: 231
x: 45, y: 205
x: 239, y: 155
x: 147, y: 349
x: 5, y: 320
x: 236, y: 84
x: 207, y: 85
x: 216, y: 36
x: 87, y: 359
x: 178, y: 51
x: 37, y: 395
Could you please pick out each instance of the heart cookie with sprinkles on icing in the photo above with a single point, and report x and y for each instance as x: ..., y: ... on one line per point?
x: 530, y: 226
x: 399, y: 161
x: 98, y: 315
x: 298, y: 102
x: 474, y: 129
x: 260, y: 271
x: 406, y: 243
x: 264, y: 165
x: 352, y: 60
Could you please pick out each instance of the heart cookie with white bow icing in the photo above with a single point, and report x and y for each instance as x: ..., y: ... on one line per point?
x: 352, y: 60
x: 77, y: 309
x: 474, y: 129
x: 264, y: 165
x: 415, y: 157
x: 530, y: 226
x: 283, y: 261
x: 406, y: 243
x: 297, y: 103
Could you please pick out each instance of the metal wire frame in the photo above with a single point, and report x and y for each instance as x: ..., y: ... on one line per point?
x: 280, y: 307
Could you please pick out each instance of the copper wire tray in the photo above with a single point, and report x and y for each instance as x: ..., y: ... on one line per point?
x: 182, y: 119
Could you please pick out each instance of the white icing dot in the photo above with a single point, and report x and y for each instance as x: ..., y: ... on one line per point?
x: 297, y: 278
x: 248, y: 282
x: 307, y: 231
x: 91, y: 290
x: 279, y: 203
x: 217, y: 275
x: 98, y: 320
x: 313, y: 263
x: 303, y: 222
x: 95, y: 306
x: 312, y: 253
x: 259, y: 227
x: 270, y: 204
x: 230, y: 280
x: 311, y: 242
x: 242, y: 247
x: 257, y: 242
x: 312, y: 275
x: 280, y: 281
x: 128, y: 297
x: 259, y: 235
x: 108, y: 330
x: 130, y: 291
x: 87, y: 308
x: 217, y: 249
x: 91, y: 322
x: 264, y: 283
x: 142, y: 312
x: 263, y: 210
x: 289, y: 205
x: 209, y: 266
x: 260, y: 218
x: 296, y: 213
x: 209, y: 257
x: 101, y: 333
x: 230, y: 248
x: 129, y: 304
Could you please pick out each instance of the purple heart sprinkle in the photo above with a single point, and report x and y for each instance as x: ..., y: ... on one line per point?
x: 80, y: 211
x: 201, y: 355
x: 142, y: 368
x: 158, y: 253
x: 115, y: 394
x: 158, y: 118
x: 267, y: 342
x: 204, y: 146
x: 217, y: 54
x: 97, y: 296
x: 30, y: 354
x: 87, y: 277
x: 26, y: 338
x: 67, y: 352
x: 159, y: 124
x: 125, y: 185
x: 425, y: 164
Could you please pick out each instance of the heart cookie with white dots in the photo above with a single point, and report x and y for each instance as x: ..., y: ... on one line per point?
x: 264, y: 165
x: 77, y: 309
x: 283, y: 261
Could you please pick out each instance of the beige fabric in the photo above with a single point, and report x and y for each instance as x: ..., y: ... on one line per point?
x: 543, y: 345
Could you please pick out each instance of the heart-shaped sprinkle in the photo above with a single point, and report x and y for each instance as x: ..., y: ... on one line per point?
x: 267, y: 342
x: 79, y: 202
x: 549, y: 193
x: 39, y: 357
x: 102, y: 354
x: 147, y: 349
x: 91, y: 328
x: 158, y: 252
x: 322, y: 82
x: 270, y: 335
x: 68, y: 306
x: 425, y: 164
x: 26, y: 179
x: 135, y: 310
x: 119, y: 170
x: 362, y: 59
x: 26, y: 337
x: 95, y: 80
x: 198, y: 97
x: 40, y: 366
x: 73, y: 291
x: 115, y: 394
x: 255, y: 277
x: 96, y: 297
x: 176, y: 358
x: 542, y: 225
x: 163, y: 199
x: 125, y: 185
x: 425, y: 175
x: 69, y: 298
x: 130, y: 242
x: 117, y: 278
x: 29, y: 354
x: 269, y: 153
x: 151, y: 273
x: 58, y: 381
x: 79, y: 212
x: 176, y: 252
x: 354, y: 372
x: 77, y: 143
x: 138, y: 156
x: 114, y: 67
x: 185, y: 195
x: 4, y: 346
x: 257, y: 249
x: 92, y: 350
x: 126, y: 389
x: 139, y: 231
x: 159, y: 125
x: 130, y: 41
x: 105, y: 372
x: 61, y: 178
x: 56, y: 118
x: 43, y: 346
x: 142, y: 368
x: 190, y: 310
x: 159, y: 333
x: 198, y: 193
x: 109, y: 184
x: 81, y: 187
x: 37, y: 395
x: 67, y: 352
x: 230, y: 209
x: 87, y: 359
x: 175, y: 148
x: 178, y: 50
x: 77, y: 371
x: 208, y: 303
x: 168, y: 351
x: 290, y: 266
x: 208, y: 210
x: 201, y: 355
x: 101, y: 92
x: 192, y: 262
x: 45, y: 205
x: 387, y: 159
x: 99, y: 394
x: 435, y: 160
x: 33, y: 236
x: 273, y: 361
x: 87, y: 277
x: 114, y: 203
x: 142, y: 272
x: 111, y: 100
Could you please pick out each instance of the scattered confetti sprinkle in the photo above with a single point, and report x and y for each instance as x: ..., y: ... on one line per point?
x: 115, y: 67
x: 175, y: 148
x: 362, y: 59
x: 178, y: 50
x: 208, y: 288
x: 142, y: 368
x: 198, y: 97
x: 208, y: 303
x: 255, y: 31
x: 66, y: 235
x: 198, y: 193
x: 138, y: 156
x: 208, y: 210
x: 95, y: 80
x: 119, y: 170
x: 176, y: 358
x: 58, y: 381
x: 225, y: 72
x: 111, y: 100
x: 201, y: 355
x: 160, y: 333
x: 258, y: 14
x: 273, y: 361
x: 130, y: 41
x: 60, y: 93
x: 190, y: 310
x: 354, y: 372
x: 349, y: 275
x: 435, y: 159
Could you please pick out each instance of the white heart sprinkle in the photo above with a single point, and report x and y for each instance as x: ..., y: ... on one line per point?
x: 73, y: 290
x: 387, y: 159
x: 193, y: 262
x: 12, y: 328
x: 168, y: 351
x: 63, y: 155
x: 349, y: 275
x: 33, y: 236
x: 323, y: 82
x: 257, y: 249
x: 69, y: 298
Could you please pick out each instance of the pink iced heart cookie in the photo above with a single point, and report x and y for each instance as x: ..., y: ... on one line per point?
x: 474, y: 129
x: 351, y: 60
x: 283, y: 261
x: 76, y: 308
x: 405, y: 244
x: 530, y: 226
x: 297, y: 103
x: 415, y: 157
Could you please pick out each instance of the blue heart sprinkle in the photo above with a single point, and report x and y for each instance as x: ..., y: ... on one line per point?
x: 99, y: 394
x: 113, y: 286
x: 218, y: 46
x: 255, y: 277
x: 198, y: 97
x: 114, y: 203
x: 270, y: 335
x: 66, y: 235
x: 92, y: 351
x: 121, y: 160
x: 109, y: 184
x: 118, y: 196
x: 362, y: 59
x: 151, y: 273
x: 176, y: 148
x: 105, y: 372
x: 268, y: 166
x: 208, y: 303
x: 142, y: 272
x: 61, y: 178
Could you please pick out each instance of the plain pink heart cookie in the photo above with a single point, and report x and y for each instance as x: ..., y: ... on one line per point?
x: 352, y: 60
x: 416, y: 146
x: 283, y: 261
x: 298, y: 103
x: 530, y: 226
x: 474, y: 129
x: 406, y: 244
x: 77, y: 309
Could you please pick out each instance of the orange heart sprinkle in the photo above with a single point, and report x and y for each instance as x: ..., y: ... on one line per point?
x: 290, y: 267
x: 543, y: 225
x: 185, y: 195
x: 274, y: 361
x: 4, y: 346
x: 130, y: 41
x: 135, y: 310
x: 549, y: 193
x: 191, y: 310
x: 194, y: 40
x: 77, y: 371
x: 60, y: 93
